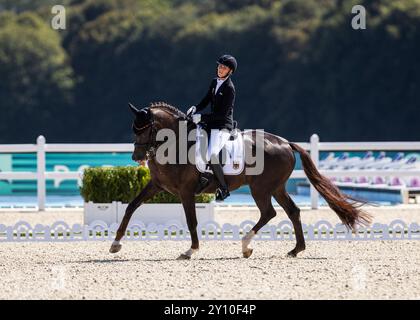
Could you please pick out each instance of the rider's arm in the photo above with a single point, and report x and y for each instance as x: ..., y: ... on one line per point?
x: 224, y: 109
x: 206, y: 100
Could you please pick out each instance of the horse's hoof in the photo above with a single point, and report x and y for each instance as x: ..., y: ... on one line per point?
x: 292, y: 254
x: 115, y: 248
x: 247, y: 253
x: 183, y: 257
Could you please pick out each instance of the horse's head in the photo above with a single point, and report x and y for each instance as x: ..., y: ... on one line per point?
x: 143, y: 129
x: 148, y: 121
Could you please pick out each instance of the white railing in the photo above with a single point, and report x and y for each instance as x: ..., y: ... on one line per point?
x: 41, y: 148
x: 321, y: 230
x: 314, y: 147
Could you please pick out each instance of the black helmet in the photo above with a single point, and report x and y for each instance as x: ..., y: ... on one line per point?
x: 228, y: 61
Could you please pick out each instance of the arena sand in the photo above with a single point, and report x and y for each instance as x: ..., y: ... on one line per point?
x: 149, y: 270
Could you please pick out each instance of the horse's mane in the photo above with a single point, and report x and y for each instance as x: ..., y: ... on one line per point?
x: 163, y: 105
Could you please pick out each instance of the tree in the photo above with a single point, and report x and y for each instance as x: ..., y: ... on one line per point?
x: 36, y: 79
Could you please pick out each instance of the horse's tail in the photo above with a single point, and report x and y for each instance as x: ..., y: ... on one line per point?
x: 348, y: 212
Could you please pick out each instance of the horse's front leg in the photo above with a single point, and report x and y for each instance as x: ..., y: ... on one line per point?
x: 188, y: 202
x: 148, y: 192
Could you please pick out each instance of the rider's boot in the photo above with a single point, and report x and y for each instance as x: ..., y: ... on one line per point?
x: 222, y: 192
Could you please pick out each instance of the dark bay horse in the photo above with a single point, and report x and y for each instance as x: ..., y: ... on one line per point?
x: 182, y: 179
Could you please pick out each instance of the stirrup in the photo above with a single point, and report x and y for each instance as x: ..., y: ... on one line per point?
x: 221, y: 194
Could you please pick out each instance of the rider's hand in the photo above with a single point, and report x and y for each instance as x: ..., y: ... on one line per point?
x: 196, y: 118
x: 191, y: 111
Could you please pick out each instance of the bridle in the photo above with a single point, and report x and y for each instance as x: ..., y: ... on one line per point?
x: 151, y: 145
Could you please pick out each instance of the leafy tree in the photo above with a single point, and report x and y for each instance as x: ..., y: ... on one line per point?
x: 302, y: 68
x: 36, y: 80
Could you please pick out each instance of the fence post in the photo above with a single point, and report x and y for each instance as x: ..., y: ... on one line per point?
x: 315, y: 158
x: 40, y: 161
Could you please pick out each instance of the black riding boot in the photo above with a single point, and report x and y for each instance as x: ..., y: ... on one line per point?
x: 222, y: 192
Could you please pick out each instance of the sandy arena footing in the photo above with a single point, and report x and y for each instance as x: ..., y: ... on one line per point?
x: 149, y: 270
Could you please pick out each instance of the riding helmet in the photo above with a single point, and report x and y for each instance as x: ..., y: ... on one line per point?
x: 228, y: 61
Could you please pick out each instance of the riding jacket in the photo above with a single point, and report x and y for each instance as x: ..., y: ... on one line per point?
x: 222, y: 101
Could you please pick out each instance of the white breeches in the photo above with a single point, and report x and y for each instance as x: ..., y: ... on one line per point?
x: 218, y: 139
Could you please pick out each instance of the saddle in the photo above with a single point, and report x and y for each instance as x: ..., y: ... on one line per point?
x: 233, y: 163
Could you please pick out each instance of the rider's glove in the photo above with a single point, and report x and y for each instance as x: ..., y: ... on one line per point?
x: 191, y: 111
x: 196, y: 118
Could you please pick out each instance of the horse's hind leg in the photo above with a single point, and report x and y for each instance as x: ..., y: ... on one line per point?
x: 293, y: 212
x: 263, y: 201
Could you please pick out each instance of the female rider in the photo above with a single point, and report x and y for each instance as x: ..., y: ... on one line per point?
x: 221, y: 96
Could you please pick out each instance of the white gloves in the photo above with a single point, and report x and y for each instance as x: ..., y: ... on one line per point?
x: 191, y: 111
x: 196, y: 118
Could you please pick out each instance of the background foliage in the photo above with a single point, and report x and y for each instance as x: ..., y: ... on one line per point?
x: 302, y: 68
x: 107, y: 184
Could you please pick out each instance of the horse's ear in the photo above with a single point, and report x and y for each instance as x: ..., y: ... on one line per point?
x: 133, y: 109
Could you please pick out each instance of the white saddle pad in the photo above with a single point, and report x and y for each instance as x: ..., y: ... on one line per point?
x: 234, y: 150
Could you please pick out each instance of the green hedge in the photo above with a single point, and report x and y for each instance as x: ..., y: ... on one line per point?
x: 104, y: 185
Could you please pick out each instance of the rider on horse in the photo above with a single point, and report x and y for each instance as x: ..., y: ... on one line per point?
x: 221, y: 95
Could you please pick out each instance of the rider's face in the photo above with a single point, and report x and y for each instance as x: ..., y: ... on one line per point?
x: 222, y: 71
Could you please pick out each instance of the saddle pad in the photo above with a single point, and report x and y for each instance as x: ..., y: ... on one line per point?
x: 234, y: 150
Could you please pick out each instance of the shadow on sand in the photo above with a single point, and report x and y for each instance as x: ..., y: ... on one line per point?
x: 116, y: 260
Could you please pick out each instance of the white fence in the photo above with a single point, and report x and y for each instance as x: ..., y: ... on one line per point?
x: 137, y: 230
x: 314, y: 147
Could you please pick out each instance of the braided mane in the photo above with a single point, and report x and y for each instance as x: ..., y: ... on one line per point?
x: 168, y: 107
